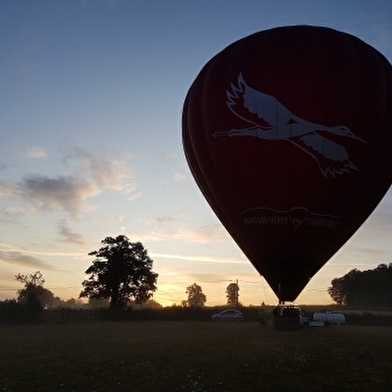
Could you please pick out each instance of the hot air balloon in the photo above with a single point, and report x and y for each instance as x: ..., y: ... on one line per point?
x: 288, y: 134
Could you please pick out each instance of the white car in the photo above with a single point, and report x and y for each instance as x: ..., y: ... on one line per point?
x: 228, y: 315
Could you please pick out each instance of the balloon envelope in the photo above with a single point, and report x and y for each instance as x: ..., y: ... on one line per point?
x: 288, y: 134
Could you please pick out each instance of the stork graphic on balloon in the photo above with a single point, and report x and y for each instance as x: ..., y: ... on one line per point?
x: 271, y: 120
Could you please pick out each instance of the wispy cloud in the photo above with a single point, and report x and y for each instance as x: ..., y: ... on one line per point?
x: 67, y: 235
x: 168, y: 227
x: 7, y: 189
x: 9, y: 214
x: 36, y: 152
x: 65, y: 192
x: 208, y: 278
x: 158, y: 219
x: 93, y: 175
x: 13, y: 211
x: 179, y: 177
x: 18, y: 258
x: 202, y: 235
x: 206, y: 259
x: 12, y: 253
x: 104, y: 173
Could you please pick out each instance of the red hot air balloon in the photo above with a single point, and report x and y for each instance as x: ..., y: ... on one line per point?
x: 288, y: 134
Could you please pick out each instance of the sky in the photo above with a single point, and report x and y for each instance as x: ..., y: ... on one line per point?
x: 91, y: 95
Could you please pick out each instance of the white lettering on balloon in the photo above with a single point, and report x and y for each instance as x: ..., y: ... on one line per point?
x: 296, y: 217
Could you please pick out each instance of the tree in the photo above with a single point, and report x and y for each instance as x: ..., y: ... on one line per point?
x: 337, y: 291
x: 121, y: 270
x: 72, y: 303
x: 33, y: 294
x: 370, y: 287
x: 232, y: 294
x: 196, y: 297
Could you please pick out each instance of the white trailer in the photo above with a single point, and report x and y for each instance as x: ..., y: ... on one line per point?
x: 329, y: 317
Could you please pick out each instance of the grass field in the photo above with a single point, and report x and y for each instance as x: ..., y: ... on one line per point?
x: 193, y: 356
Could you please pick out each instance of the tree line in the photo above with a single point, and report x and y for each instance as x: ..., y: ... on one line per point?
x: 121, y: 274
x: 371, y: 287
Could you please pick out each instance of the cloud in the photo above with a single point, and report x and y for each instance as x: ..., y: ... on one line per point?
x: 65, y: 192
x: 13, y: 257
x: 36, y: 152
x: 67, y: 235
x: 208, y: 278
x: 202, y: 235
x: 92, y: 175
x: 167, y: 227
x: 172, y: 156
x: 158, y: 219
x: 7, y: 189
x: 104, y: 173
x: 9, y: 214
x: 205, y: 259
x: 179, y: 177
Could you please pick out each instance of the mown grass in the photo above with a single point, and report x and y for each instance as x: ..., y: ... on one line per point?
x: 193, y: 356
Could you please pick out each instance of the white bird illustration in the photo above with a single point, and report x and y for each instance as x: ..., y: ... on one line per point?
x: 271, y: 120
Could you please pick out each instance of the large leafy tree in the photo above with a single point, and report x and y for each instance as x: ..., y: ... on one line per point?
x: 369, y: 287
x: 196, y: 297
x: 121, y: 270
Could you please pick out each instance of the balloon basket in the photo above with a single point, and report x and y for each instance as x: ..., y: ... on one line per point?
x: 287, y: 318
